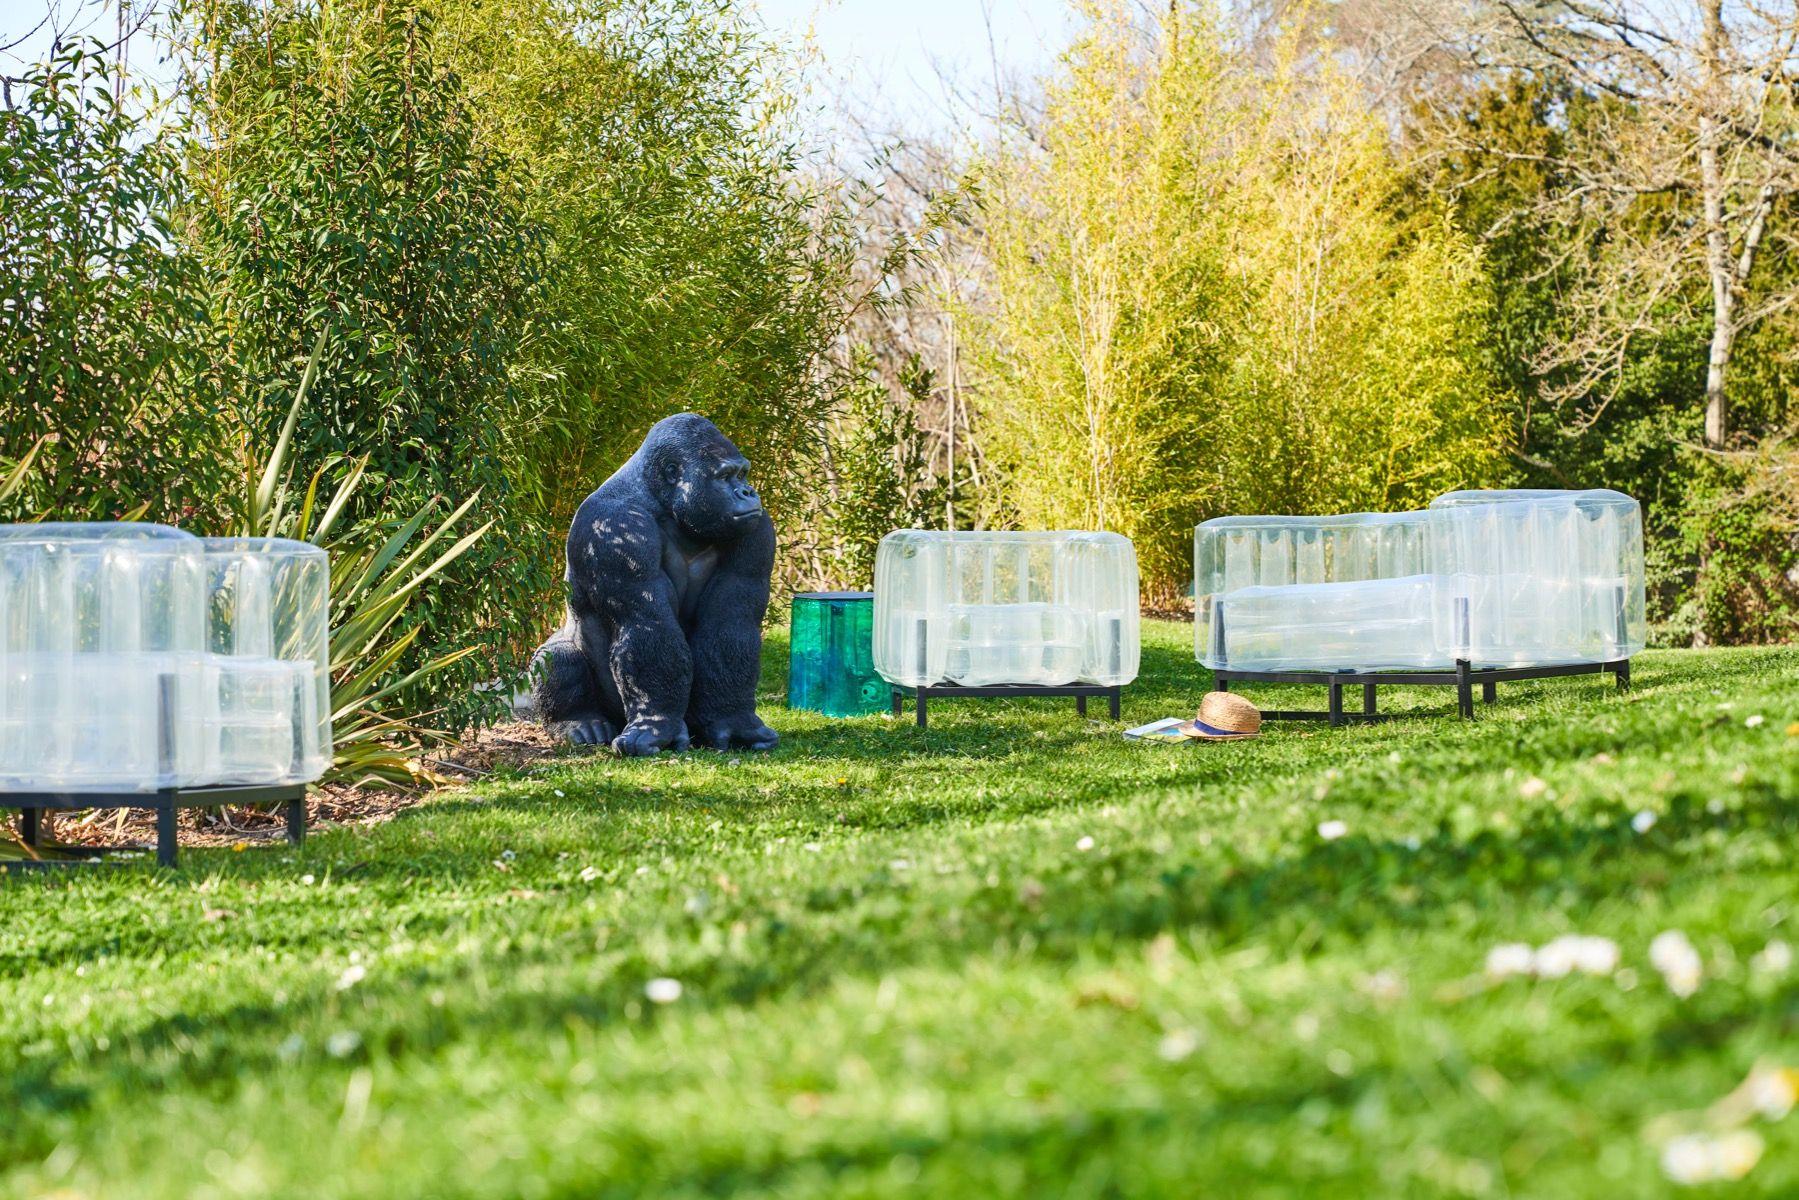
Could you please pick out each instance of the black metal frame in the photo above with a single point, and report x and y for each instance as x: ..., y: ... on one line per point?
x: 1462, y: 678
x: 1080, y: 691
x: 165, y: 801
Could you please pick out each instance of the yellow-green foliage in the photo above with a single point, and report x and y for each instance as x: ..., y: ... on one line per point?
x: 1202, y: 301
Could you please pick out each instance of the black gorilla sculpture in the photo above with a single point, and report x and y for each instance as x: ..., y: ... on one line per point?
x: 668, y: 565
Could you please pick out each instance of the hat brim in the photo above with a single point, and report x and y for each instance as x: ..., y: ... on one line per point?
x: 1211, y: 733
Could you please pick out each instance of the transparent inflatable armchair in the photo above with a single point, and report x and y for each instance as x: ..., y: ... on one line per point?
x: 1006, y: 610
x: 1497, y: 580
x: 136, y: 658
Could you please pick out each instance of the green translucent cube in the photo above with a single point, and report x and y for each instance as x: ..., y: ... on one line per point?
x: 831, y: 669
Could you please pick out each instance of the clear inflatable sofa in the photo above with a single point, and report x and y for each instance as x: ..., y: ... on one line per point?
x: 1006, y: 613
x: 1500, y: 584
x: 138, y: 661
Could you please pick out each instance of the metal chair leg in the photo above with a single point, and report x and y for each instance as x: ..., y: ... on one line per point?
x: 1621, y: 673
x: 1464, y: 688
x: 919, y: 697
x: 296, y: 821
x: 166, y: 848
x: 30, y: 826
x: 1114, y: 698
x: 1336, y: 711
x: 1489, y: 691
x: 1080, y: 705
x: 1368, y: 699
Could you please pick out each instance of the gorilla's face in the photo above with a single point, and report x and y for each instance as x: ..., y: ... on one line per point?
x: 712, y: 496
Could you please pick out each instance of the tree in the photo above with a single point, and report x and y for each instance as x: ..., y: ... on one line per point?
x: 104, y: 355
x: 1679, y: 158
x: 1499, y: 175
x: 341, y: 188
x: 689, y: 262
x: 1200, y: 299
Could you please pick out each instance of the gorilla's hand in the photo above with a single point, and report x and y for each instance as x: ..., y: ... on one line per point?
x: 745, y: 732
x: 646, y: 736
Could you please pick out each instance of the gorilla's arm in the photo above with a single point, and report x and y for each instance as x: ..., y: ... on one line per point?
x: 648, y: 659
x: 727, y: 645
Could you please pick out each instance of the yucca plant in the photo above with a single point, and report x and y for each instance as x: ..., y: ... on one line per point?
x: 14, y: 475
x: 377, y: 570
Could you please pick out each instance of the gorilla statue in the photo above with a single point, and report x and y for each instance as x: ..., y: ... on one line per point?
x: 668, y: 566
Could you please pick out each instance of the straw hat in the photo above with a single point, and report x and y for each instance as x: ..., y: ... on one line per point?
x: 1224, y: 717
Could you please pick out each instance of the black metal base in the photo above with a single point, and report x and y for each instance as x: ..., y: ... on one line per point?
x: 1080, y: 692
x: 1463, y: 679
x: 33, y: 805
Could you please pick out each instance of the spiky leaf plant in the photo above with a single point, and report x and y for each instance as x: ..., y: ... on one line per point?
x: 377, y: 570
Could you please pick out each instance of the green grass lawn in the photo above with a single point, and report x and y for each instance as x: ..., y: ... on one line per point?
x: 1013, y: 955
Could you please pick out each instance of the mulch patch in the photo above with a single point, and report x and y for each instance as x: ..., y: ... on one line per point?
x: 515, y: 744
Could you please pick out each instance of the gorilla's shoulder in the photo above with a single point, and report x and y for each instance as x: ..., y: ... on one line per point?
x: 615, y: 535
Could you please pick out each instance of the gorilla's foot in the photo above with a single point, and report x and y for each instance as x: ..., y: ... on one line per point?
x: 587, y: 730
x: 746, y: 732
x: 645, y: 737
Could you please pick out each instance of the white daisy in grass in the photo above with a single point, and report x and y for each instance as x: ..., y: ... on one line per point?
x: 662, y: 990
x: 1772, y: 1091
x: 1679, y: 963
x: 1696, y: 1158
x: 1177, y: 1044
x: 1084, y: 844
x: 1330, y: 831
x: 1577, y: 952
x: 1753, y: 721
x: 1586, y: 953
x: 1643, y: 822
x: 1776, y: 958
x: 1511, y: 958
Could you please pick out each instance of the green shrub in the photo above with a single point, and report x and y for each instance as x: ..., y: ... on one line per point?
x: 104, y: 357
x: 342, y: 191
x: 1737, y: 558
x: 689, y: 263
x: 877, y: 477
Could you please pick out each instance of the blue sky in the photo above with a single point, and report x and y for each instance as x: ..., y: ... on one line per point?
x: 881, y: 57
x: 25, y: 19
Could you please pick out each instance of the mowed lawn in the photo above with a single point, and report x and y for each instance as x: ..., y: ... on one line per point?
x: 1014, y: 955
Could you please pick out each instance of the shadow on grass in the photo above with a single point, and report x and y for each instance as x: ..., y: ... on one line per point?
x: 1311, y: 893
x: 1028, y: 768
x: 1312, y: 890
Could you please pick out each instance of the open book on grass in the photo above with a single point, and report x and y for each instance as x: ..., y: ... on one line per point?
x: 1168, y: 729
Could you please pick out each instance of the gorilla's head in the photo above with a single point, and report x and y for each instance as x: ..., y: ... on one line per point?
x: 700, y: 477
